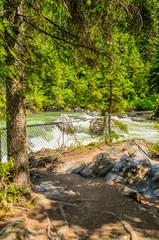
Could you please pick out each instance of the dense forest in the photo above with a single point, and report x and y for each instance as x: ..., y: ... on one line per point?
x: 95, y: 55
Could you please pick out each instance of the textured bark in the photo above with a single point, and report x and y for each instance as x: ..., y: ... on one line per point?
x: 16, y: 120
x: 110, y: 106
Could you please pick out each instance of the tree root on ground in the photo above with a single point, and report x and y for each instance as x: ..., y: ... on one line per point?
x: 126, y: 225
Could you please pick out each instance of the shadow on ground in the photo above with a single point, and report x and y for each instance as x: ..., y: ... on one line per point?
x: 90, y: 217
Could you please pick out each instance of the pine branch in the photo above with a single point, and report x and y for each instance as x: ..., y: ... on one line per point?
x: 62, y: 39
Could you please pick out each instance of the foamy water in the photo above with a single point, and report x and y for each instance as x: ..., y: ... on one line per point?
x: 52, y: 137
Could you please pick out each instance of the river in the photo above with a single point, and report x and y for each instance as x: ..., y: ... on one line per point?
x: 52, y: 137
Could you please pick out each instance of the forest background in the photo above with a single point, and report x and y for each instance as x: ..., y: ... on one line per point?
x: 122, y: 67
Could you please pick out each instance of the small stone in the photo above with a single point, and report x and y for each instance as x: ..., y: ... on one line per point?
x: 125, y: 238
x: 46, y: 183
x: 127, y: 192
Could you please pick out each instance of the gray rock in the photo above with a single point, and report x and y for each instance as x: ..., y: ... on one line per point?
x: 110, y: 177
x: 134, y: 119
x: 97, y: 126
x: 122, y: 115
x: 118, y: 179
x: 127, y: 192
x: 73, y: 166
x: 132, y: 114
x: 99, y: 166
x: 118, y: 166
x: 52, y: 191
x: 156, y: 193
x: 66, y: 127
x: 60, y: 193
x: 46, y: 183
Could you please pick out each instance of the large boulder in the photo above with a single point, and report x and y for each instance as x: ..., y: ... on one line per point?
x: 129, y: 164
x: 132, y: 114
x: 99, y: 166
x: 135, y: 169
x: 67, y: 127
x: 97, y: 126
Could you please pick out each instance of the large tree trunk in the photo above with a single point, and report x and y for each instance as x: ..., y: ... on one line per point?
x: 16, y: 120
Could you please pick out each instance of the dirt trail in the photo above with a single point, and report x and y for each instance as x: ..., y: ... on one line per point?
x: 89, y: 218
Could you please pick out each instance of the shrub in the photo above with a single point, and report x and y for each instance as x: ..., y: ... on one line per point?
x: 9, y: 191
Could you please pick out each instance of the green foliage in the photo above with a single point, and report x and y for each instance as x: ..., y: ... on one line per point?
x: 156, y: 146
x: 8, y: 190
x: 122, y: 126
x: 61, y: 75
x: 146, y: 103
x: 113, y: 135
x: 2, y: 105
x: 117, y: 125
x: 156, y: 125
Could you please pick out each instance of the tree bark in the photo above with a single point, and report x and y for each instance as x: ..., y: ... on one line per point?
x: 16, y: 119
x: 110, y: 106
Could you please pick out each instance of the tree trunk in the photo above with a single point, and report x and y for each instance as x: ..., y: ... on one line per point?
x: 110, y: 106
x: 16, y: 119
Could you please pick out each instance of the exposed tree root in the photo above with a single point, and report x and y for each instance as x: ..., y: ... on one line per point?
x: 126, y: 225
x: 63, y: 215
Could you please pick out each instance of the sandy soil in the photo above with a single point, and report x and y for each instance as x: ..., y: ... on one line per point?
x: 91, y: 214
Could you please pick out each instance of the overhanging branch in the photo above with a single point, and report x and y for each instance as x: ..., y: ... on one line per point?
x: 62, y: 39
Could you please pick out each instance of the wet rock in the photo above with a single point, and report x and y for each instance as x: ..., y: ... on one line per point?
x: 120, y: 115
x: 97, y: 126
x: 99, y: 166
x: 134, y: 119
x: 127, y: 192
x: 132, y: 114
x: 65, y: 126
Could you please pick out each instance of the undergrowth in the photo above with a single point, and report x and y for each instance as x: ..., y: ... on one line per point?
x: 9, y: 191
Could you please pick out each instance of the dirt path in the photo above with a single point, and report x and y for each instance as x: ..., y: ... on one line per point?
x: 91, y: 217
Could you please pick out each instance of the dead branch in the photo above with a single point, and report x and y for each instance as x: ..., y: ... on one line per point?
x: 21, y: 208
